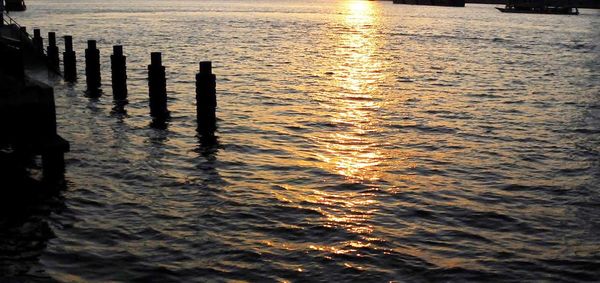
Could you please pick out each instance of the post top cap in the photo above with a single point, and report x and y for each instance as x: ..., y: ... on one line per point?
x: 118, y: 50
x: 156, y: 58
x: 205, y: 67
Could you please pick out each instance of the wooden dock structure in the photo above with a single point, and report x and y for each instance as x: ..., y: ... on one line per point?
x: 27, y: 111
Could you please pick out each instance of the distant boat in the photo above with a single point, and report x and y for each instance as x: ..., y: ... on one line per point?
x: 14, y: 5
x: 563, y: 7
x: 451, y: 3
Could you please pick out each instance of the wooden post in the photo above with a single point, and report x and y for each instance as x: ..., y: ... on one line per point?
x: 69, y: 60
x: 118, y: 66
x: 23, y: 34
x: 38, y: 42
x: 206, y: 98
x: 92, y: 66
x: 53, y: 60
x: 157, y: 87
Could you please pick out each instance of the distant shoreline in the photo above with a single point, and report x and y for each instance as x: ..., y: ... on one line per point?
x: 585, y: 4
x: 591, y: 4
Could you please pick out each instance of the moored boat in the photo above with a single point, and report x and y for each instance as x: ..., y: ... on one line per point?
x: 14, y: 5
x: 450, y: 3
x: 563, y: 7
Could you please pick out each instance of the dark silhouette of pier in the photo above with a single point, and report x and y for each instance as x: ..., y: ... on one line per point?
x: 27, y: 111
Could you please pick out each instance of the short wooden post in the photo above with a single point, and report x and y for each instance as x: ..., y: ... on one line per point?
x: 206, y: 98
x: 92, y: 66
x: 38, y: 42
x: 69, y: 60
x: 23, y: 35
x: 157, y: 87
x: 53, y: 60
x: 118, y: 67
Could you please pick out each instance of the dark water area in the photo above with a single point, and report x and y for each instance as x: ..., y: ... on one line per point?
x: 356, y: 141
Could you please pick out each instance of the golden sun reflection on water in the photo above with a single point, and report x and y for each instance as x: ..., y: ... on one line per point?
x: 350, y: 151
x: 349, y: 148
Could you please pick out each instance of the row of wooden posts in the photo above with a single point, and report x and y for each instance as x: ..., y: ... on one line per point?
x: 206, y: 100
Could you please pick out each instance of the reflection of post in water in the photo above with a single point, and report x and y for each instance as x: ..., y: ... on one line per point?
x: 118, y: 108
x: 208, y: 144
x: 159, y: 123
x: 208, y: 147
x: 156, y: 140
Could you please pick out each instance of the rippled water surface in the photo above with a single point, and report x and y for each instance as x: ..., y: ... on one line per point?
x: 357, y: 141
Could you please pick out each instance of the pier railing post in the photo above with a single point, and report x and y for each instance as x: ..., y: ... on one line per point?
x: 53, y: 60
x: 157, y: 87
x: 118, y: 67
x: 38, y: 42
x: 206, y: 98
x: 92, y: 66
x: 69, y: 60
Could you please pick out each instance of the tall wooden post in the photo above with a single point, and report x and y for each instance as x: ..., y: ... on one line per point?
x: 118, y: 67
x: 23, y: 34
x: 206, y: 98
x: 69, y: 60
x: 157, y: 87
x: 92, y: 66
x: 53, y: 60
x: 38, y: 42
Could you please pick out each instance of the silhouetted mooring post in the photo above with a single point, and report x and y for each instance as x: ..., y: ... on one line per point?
x: 92, y: 66
x: 53, y: 59
x: 22, y: 33
x: 69, y: 60
x: 38, y: 42
x: 118, y: 66
x: 206, y: 98
x: 157, y: 85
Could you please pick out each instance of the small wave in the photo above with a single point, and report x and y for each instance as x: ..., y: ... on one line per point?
x: 427, y: 129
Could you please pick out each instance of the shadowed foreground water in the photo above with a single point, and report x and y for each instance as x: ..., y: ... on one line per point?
x: 357, y: 141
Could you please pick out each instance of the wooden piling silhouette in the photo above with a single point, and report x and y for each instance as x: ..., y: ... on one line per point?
x: 118, y: 67
x: 92, y: 66
x: 53, y: 60
x: 23, y: 34
x: 206, y: 98
x: 157, y: 87
x: 38, y: 42
x: 69, y: 60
